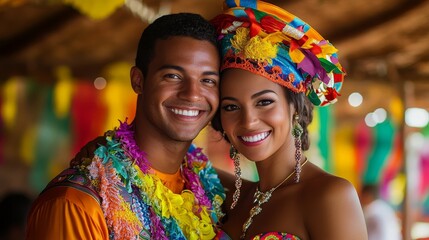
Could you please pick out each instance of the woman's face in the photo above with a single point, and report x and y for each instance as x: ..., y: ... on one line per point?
x: 255, y: 114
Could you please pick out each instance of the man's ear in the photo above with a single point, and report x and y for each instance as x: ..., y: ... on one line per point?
x: 137, y: 80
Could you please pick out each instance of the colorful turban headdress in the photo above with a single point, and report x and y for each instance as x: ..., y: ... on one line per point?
x: 264, y: 39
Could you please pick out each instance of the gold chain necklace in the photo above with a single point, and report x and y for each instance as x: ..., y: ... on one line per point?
x: 259, y: 199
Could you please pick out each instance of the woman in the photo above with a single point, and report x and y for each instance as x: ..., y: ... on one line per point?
x: 274, y: 69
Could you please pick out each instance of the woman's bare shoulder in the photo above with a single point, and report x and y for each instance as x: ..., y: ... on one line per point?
x: 332, y: 208
x: 325, y: 185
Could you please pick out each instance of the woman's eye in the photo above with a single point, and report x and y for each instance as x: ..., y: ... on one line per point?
x: 264, y: 102
x: 230, y: 107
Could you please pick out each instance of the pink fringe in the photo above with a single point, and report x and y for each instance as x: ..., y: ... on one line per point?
x: 111, y: 204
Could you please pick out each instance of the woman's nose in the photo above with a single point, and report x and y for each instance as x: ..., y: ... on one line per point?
x: 248, y: 118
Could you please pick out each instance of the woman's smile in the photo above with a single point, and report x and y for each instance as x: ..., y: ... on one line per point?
x: 254, y: 138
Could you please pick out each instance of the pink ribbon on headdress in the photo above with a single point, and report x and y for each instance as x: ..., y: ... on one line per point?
x: 311, y: 65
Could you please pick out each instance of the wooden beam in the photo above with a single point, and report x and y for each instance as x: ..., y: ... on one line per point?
x: 38, y: 30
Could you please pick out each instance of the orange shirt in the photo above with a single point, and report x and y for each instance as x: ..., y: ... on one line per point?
x: 67, y: 213
x: 174, y: 182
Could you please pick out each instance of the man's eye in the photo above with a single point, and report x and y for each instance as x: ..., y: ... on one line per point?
x: 210, y: 82
x: 172, y: 76
x: 230, y: 107
x: 264, y: 102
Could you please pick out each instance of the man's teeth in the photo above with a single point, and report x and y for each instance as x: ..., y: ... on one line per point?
x: 255, y: 138
x: 188, y: 113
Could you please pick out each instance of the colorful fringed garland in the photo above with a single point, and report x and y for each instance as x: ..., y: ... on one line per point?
x: 135, y: 202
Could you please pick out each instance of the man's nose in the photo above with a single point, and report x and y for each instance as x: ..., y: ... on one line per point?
x: 191, y: 91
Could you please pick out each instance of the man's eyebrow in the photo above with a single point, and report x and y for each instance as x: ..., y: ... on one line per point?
x: 216, y: 73
x: 178, y: 68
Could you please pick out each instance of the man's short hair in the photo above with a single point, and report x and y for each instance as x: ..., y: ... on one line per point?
x: 178, y: 24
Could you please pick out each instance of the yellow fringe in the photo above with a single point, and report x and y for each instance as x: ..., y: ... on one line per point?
x: 256, y: 48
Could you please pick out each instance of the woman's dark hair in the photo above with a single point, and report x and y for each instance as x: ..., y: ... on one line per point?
x: 172, y: 25
x: 303, y: 107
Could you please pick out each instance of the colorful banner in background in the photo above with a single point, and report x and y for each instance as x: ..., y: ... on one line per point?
x: 51, y: 144
x: 424, y: 173
x: 44, y: 126
x: 383, y: 135
x: 96, y: 9
x: 88, y: 114
x: 325, y: 123
x: 359, y: 153
x: 116, y: 94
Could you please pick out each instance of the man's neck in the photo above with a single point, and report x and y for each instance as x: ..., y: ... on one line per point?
x: 163, y: 154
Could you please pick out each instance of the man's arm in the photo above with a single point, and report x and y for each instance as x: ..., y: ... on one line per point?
x: 66, y: 213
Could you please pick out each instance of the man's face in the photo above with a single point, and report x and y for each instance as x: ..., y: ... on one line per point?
x: 180, y: 91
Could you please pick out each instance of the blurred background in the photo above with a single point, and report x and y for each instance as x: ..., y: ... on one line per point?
x: 64, y: 79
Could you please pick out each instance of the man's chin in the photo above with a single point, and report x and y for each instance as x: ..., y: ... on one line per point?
x: 185, y: 133
x: 185, y: 137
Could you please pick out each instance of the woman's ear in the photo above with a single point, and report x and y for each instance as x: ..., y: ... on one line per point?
x: 137, y: 80
x: 292, y: 110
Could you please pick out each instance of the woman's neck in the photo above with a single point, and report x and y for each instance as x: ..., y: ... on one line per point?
x: 275, y: 169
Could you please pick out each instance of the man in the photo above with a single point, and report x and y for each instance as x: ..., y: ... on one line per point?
x: 146, y: 180
x: 381, y: 220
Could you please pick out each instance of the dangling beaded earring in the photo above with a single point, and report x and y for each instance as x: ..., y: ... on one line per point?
x: 297, y: 131
x: 236, y: 157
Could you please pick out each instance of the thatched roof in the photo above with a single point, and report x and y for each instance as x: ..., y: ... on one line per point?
x: 382, y: 41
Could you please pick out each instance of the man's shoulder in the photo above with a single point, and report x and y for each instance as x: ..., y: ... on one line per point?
x: 87, y: 151
x: 75, y: 178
